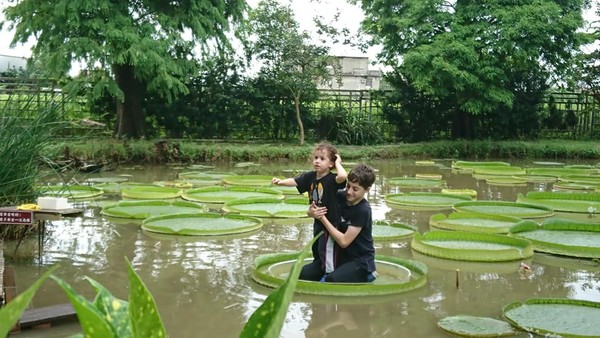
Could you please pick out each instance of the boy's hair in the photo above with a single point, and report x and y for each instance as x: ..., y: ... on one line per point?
x: 363, y: 175
x: 329, y: 148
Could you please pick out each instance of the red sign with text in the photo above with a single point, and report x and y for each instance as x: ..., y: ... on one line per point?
x: 16, y: 217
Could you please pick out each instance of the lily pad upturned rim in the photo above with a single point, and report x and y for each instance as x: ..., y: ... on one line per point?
x: 542, y: 211
x: 411, y: 230
x: 517, y: 248
x: 81, y: 191
x: 443, y: 221
x: 229, y: 207
x: 189, y: 194
x: 256, y: 224
x: 107, y: 210
x: 150, y: 192
x: 473, y: 326
x: 518, y: 322
x: 418, y: 271
x: 416, y: 204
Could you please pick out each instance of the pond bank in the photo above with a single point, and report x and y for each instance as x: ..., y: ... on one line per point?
x: 191, y: 151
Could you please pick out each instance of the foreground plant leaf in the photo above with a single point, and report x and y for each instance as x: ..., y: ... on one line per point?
x: 145, y: 319
x: 92, y: 321
x: 267, y: 320
x: 10, y: 314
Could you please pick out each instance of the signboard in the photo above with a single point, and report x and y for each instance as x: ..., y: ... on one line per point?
x: 16, y: 217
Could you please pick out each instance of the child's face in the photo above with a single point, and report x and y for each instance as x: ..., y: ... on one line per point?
x: 321, y: 161
x: 355, y: 192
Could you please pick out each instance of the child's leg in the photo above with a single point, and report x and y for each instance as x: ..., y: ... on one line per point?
x: 350, y: 272
x: 312, y: 271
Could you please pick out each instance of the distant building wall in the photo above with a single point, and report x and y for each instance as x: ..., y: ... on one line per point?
x: 8, y: 62
x: 355, y: 75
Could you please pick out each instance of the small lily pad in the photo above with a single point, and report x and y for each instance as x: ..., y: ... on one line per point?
x: 424, y: 200
x: 75, y: 192
x: 386, y: 231
x: 507, y: 208
x: 471, y: 326
x: 268, y: 207
x: 218, y: 194
x: 204, y: 224
x: 145, y: 209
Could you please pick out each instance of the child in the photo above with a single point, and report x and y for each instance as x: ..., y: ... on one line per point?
x: 321, y: 185
x: 356, y: 260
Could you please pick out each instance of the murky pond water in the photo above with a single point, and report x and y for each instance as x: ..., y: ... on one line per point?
x: 203, y: 288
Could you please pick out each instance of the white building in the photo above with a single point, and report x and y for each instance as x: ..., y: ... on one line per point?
x: 8, y: 62
x: 354, y: 75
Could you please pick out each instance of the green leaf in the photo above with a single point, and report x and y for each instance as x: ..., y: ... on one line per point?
x: 92, y: 321
x: 116, y: 311
x: 267, y: 320
x: 10, y: 314
x: 145, y: 319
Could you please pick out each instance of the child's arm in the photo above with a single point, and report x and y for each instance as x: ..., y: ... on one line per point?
x: 339, y: 169
x: 288, y: 182
x: 341, y: 238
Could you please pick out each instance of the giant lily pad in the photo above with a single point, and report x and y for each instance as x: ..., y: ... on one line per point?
x: 462, y: 192
x: 145, y: 209
x: 506, y: 181
x: 205, y: 224
x: 118, y: 179
x: 494, y: 269
x: 268, y: 207
x: 150, y: 192
x: 471, y: 326
x: 558, y: 172
x: 562, y: 237
x: 473, y: 222
x: 470, y: 246
x: 75, y: 192
x: 502, y: 170
x: 478, y: 164
x: 416, y: 183
x: 555, y: 317
x: 507, y: 208
x: 248, y: 180
x: 425, y: 200
x: 395, y: 275
x: 208, y: 175
x: 218, y: 194
x: 386, y: 231
x: 579, y: 202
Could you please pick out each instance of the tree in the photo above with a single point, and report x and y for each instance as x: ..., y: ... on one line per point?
x: 141, y: 45
x: 476, y: 57
x: 287, y: 57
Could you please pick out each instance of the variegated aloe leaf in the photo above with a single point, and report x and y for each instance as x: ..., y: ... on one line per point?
x: 144, y: 316
x: 11, y: 312
x: 267, y: 320
x: 115, y: 311
x: 93, y: 322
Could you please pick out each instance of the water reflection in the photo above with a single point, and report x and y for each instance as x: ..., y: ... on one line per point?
x: 202, y: 285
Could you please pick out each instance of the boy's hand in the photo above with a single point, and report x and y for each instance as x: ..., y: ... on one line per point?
x: 338, y: 159
x: 316, y: 212
x: 275, y: 180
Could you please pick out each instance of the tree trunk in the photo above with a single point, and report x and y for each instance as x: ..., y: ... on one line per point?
x: 130, y: 114
x: 298, y: 119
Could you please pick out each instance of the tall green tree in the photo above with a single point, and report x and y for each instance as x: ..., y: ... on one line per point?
x: 142, y: 45
x: 287, y: 57
x: 477, y: 58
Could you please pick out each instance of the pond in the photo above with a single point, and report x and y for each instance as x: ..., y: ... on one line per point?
x: 202, y: 285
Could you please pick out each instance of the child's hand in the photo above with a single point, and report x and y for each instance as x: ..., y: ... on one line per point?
x: 275, y: 180
x: 338, y: 159
x: 316, y: 212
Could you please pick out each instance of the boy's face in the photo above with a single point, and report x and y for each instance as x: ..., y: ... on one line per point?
x: 355, y: 192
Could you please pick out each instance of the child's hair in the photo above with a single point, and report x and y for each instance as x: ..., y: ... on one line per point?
x: 363, y: 175
x: 329, y: 149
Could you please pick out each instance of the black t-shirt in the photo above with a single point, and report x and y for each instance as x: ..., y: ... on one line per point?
x: 359, y: 215
x: 322, y: 191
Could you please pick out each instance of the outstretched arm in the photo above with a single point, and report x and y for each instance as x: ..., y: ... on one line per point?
x: 287, y: 182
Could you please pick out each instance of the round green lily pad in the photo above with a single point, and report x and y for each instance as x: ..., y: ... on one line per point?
x: 249, y: 180
x: 425, y: 200
x: 558, y: 172
x: 561, y: 237
x: 496, y: 268
x: 506, y: 208
x: 578, y: 202
x: 150, y: 192
x: 75, y: 192
x: 269, y: 207
x: 416, y: 183
x: 574, y: 186
x: 536, y: 178
x: 506, y: 181
x: 395, y: 275
x: 118, y: 179
x: 473, y: 222
x: 498, y: 170
x: 462, y: 192
x: 556, y: 317
x: 471, y: 326
x: 145, y: 209
x: 205, y: 175
x: 218, y: 194
x: 471, y: 246
x: 549, y: 163
x: 429, y: 176
x: 204, y: 224
x: 386, y: 231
